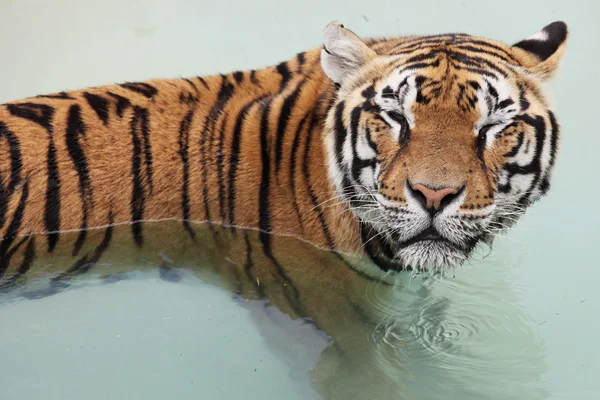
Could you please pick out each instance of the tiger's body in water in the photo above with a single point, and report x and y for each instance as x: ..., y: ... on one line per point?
x: 389, y: 154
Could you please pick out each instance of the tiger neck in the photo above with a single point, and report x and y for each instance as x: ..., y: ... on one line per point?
x: 263, y: 158
x: 241, y: 150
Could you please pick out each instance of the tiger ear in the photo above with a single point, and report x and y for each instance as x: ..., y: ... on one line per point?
x: 542, y: 52
x: 343, y: 52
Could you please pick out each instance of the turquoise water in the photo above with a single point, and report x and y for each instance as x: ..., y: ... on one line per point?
x: 517, y: 323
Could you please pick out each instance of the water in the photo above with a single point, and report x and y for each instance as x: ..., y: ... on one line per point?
x: 172, y: 313
x: 517, y: 323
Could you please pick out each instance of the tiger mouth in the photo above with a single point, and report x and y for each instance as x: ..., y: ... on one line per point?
x: 428, y: 235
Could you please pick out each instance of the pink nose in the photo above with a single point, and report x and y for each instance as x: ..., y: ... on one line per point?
x: 433, y: 198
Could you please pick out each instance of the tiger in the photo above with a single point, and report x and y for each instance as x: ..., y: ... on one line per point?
x: 304, y: 182
x: 408, y: 150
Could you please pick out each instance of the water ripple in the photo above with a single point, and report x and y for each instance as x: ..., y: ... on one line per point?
x: 470, y: 328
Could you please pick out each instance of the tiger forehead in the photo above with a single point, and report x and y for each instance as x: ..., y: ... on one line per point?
x: 446, y: 65
x: 451, y: 43
x: 459, y: 86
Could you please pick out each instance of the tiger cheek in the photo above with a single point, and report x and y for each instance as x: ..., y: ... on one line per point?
x: 502, y: 149
x: 393, y: 168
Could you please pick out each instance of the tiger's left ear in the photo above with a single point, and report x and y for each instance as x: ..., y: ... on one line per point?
x: 343, y: 52
x: 542, y: 52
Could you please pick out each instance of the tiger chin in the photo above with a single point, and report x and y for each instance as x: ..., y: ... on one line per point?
x: 407, y: 150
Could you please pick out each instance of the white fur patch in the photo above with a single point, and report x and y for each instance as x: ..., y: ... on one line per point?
x: 499, y: 119
x: 541, y: 36
x: 363, y: 148
x: 367, y: 177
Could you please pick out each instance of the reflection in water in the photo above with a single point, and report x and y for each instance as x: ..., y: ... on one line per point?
x: 349, y: 336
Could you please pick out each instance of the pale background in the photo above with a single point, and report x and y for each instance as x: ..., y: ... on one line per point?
x: 48, y: 46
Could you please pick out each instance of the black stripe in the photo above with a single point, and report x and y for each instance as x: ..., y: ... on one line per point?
x: 28, y: 257
x: 306, y: 173
x: 286, y: 110
x: 354, y: 126
x: 52, y: 208
x: 42, y: 115
x: 264, y: 210
x: 479, y: 71
x: 494, y: 93
x: 545, y: 183
x: 404, y: 136
x: 253, y: 78
x: 468, y: 47
x: 143, y: 88
x: 505, y: 54
x: 6, y: 192
x: 186, y: 97
x: 137, y: 195
x: 219, y: 165
x: 372, y: 144
x: 122, y: 103
x: 80, y: 240
x: 301, y: 58
x: 524, y: 103
x: 461, y: 95
x: 238, y: 76
x: 402, y: 84
x: 424, y: 56
x: 76, y: 128
x: 515, y: 150
x: 264, y: 216
x: 84, y: 264
x: 340, y: 137
x: 144, y: 125
x: 554, y: 138
x: 234, y: 159
x: 223, y: 97
x: 284, y: 71
x: 369, y: 92
x: 340, y: 132
x: 433, y: 39
x: 411, y: 45
x: 422, y: 65
x: 534, y: 167
x: 193, y: 85
x: 480, y: 145
x: 203, y: 82
x: 13, y: 230
x: 56, y: 96
x: 293, y: 161
x: 249, y: 263
x: 184, y: 139
x: 504, y: 104
x: 99, y: 104
x: 26, y: 263
x: 477, y: 62
x: 388, y: 93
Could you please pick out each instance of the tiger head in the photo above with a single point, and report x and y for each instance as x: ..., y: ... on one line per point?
x: 440, y: 142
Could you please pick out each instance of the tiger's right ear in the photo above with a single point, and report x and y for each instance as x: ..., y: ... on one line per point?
x: 541, y: 53
x: 343, y: 52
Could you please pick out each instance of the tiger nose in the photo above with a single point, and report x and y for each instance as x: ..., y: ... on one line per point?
x: 432, y: 198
